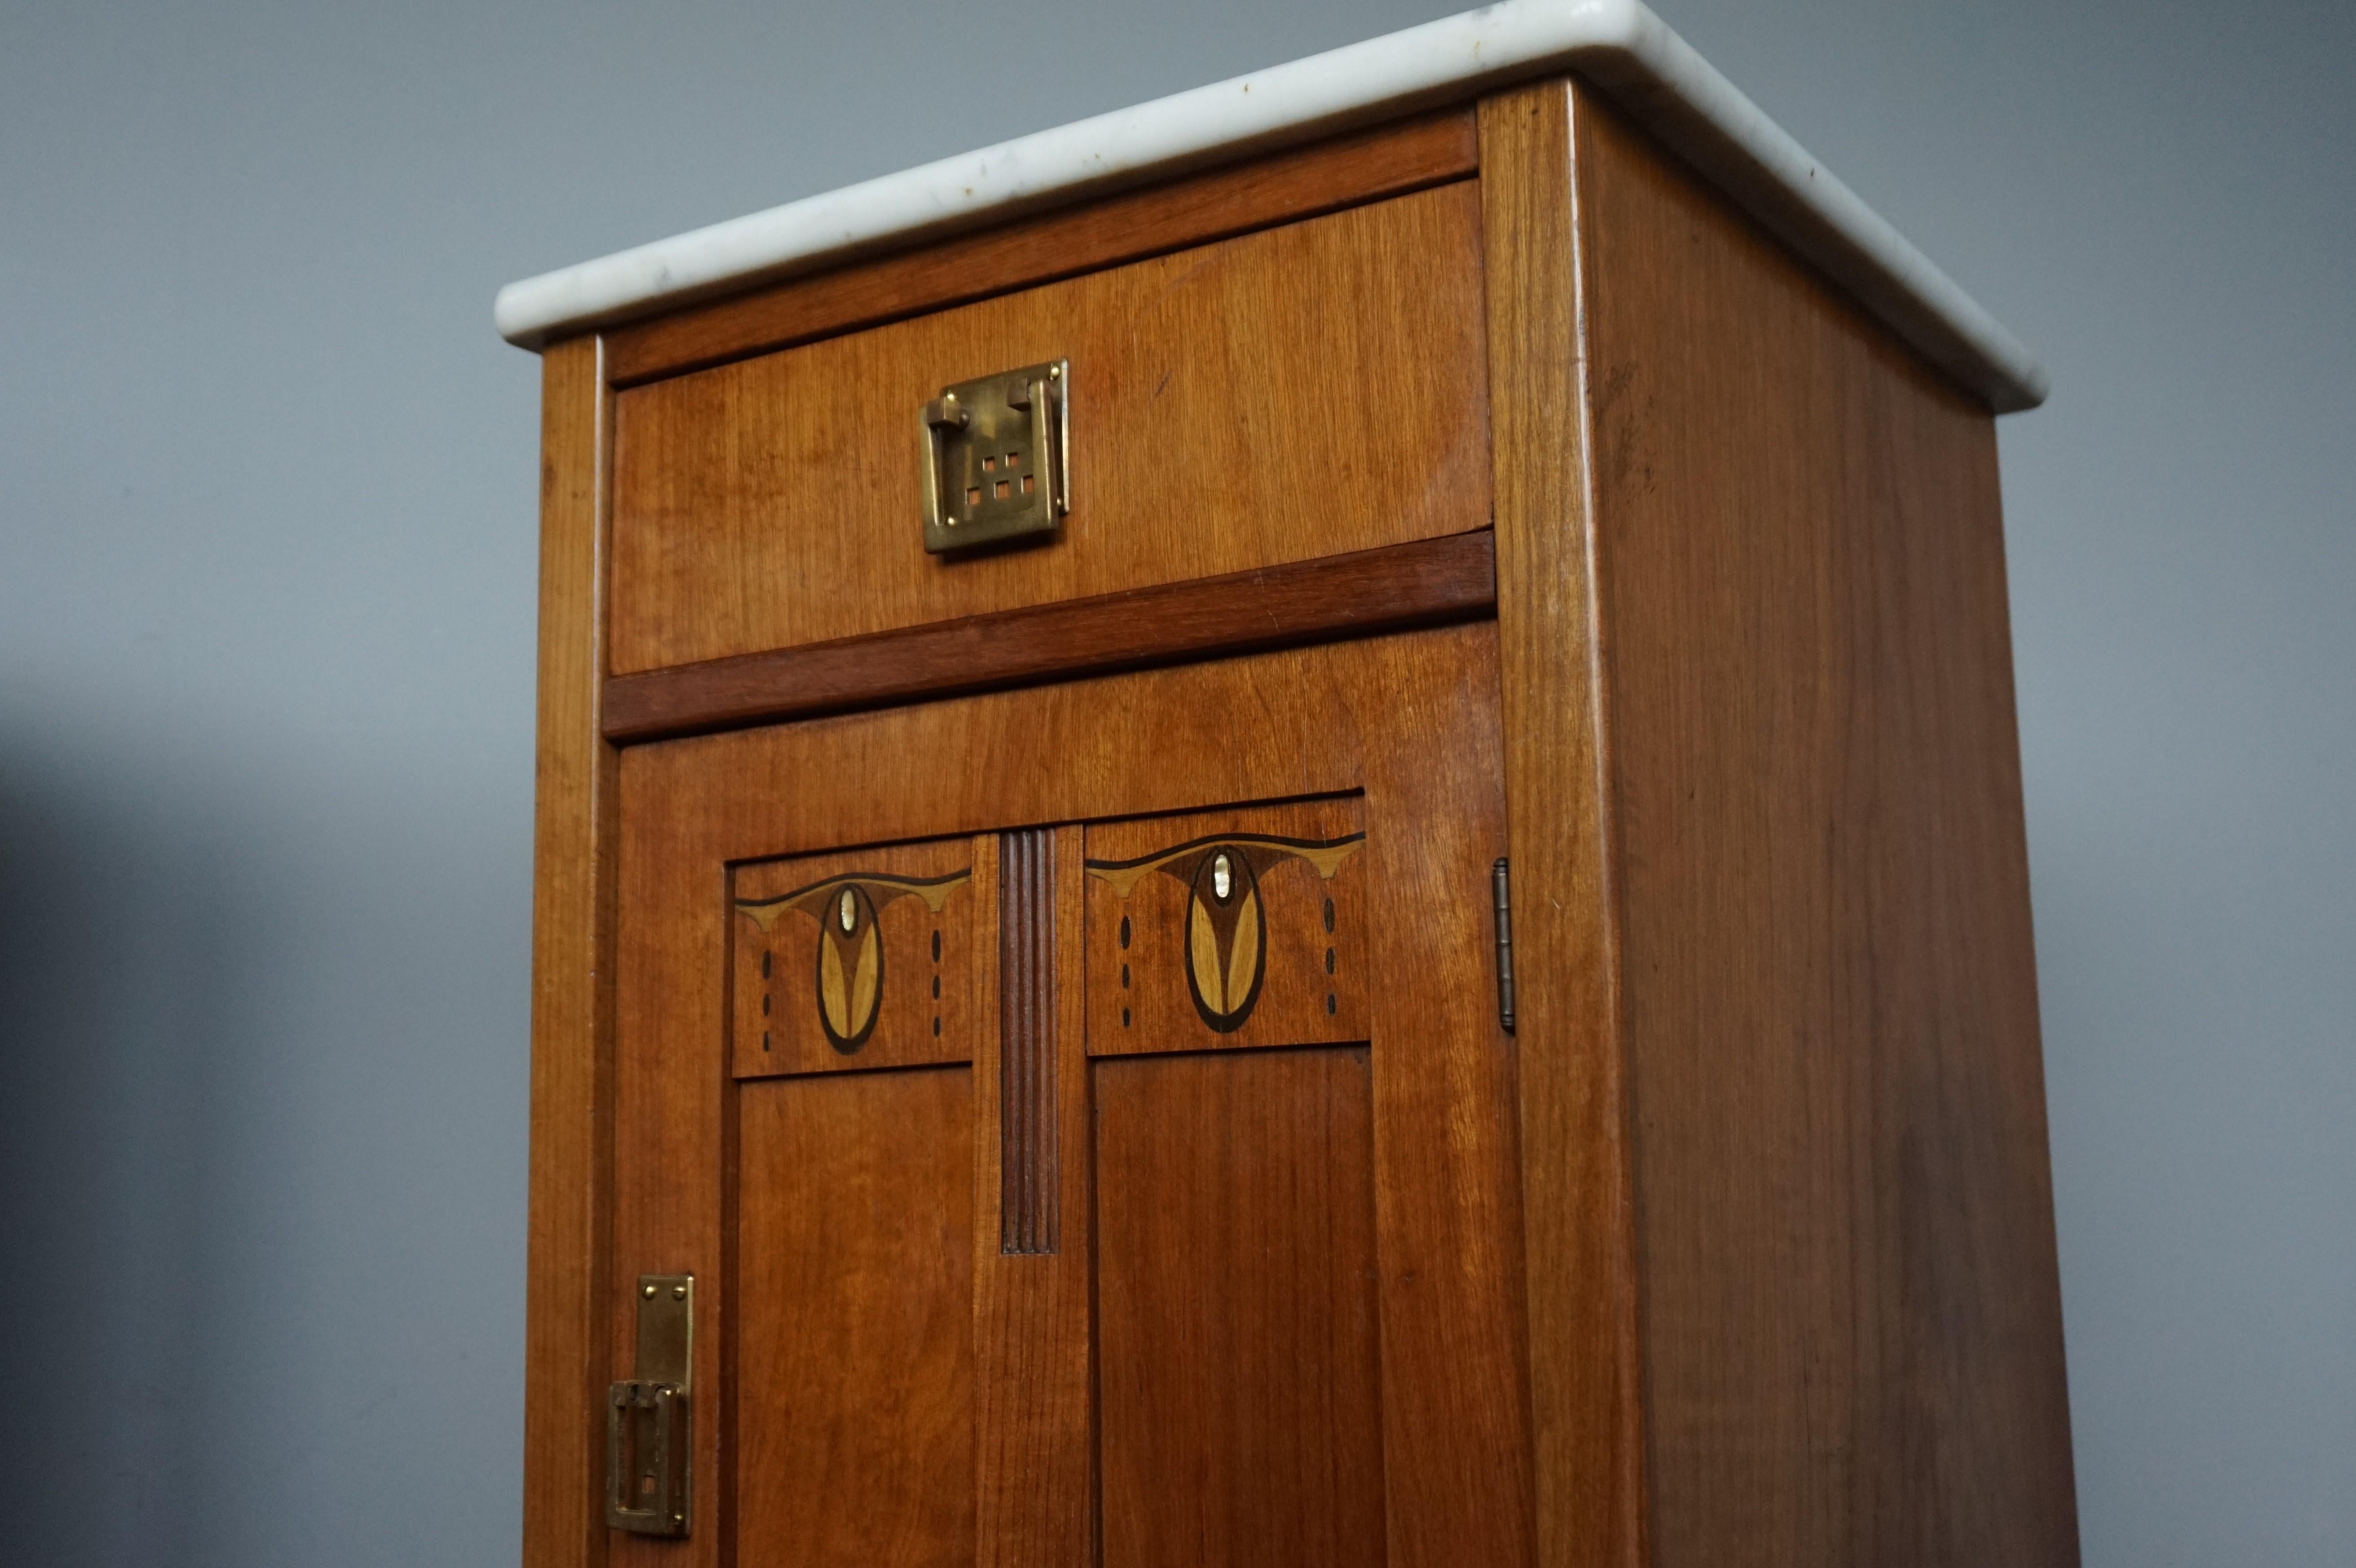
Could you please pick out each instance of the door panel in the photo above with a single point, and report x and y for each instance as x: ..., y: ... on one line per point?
x: 854, y: 1391
x: 1240, y: 1274
x: 1236, y: 1291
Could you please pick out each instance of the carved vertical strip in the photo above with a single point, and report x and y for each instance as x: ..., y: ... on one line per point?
x: 1028, y: 1211
x: 1036, y: 1496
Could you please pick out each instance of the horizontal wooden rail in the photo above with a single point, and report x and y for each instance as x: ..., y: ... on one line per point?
x: 1425, y: 583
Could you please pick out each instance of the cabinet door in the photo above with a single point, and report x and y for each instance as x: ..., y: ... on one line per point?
x: 1085, y: 1112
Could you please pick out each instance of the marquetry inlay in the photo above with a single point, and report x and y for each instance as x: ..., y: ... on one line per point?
x: 1226, y: 928
x: 861, y: 960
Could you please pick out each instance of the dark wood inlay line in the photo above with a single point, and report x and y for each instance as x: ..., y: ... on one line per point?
x: 1425, y: 583
x: 1028, y: 1213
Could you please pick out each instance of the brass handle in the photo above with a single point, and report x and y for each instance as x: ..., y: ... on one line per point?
x: 648, y: 1431
x: 997, y: 457
x: 649, y: 1426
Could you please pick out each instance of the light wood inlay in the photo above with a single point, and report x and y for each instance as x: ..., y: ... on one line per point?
x: 894, y: 988
x: 1289, y: 967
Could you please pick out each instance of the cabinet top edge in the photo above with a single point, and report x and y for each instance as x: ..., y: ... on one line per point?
x: 1618, y: 46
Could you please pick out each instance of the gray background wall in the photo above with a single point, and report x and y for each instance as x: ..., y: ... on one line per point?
x: 266, y: 601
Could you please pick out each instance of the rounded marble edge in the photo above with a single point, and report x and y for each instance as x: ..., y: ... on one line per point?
x: 1619, y: 45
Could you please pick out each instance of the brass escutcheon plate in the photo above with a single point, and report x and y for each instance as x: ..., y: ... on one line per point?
x: 650, y: 1419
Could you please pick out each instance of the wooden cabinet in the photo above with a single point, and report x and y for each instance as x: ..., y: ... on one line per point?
x: 1057, y: 1133
x: 1050, y: 1001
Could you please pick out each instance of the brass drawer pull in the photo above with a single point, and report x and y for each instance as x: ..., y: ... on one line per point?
x: 997, y: 457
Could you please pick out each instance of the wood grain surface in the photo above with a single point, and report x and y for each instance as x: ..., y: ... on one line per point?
x: 1740, y: 1250
x: 1033, y: 1312
x: 1389, y: 160
x: 1407, y: 722
x: 1240, y: 1368
x: 1423, y: 583
x: 1305, y: 391
x: 565, y: 1276
x: 854, y: 1356
x: 1849, y: 1303
x: 1584, y: 1388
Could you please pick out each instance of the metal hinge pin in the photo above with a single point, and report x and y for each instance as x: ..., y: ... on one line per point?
x: 1501, y: 890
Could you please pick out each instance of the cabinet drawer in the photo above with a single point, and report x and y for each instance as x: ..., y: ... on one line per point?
x: 1308, y: 390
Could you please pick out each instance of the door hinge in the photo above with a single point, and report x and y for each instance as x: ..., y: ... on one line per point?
x: 649, y: 1433
x: 1501, y: 889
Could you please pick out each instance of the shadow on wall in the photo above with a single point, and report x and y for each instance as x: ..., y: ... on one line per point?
x: 263, y: 1068
x: 111, y: 952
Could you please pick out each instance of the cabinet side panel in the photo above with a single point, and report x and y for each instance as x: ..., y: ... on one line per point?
x: 573, y: 902
x: 1850, y: 1301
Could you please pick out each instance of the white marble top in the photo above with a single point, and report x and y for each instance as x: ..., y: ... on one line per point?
x: 1618, y: 45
